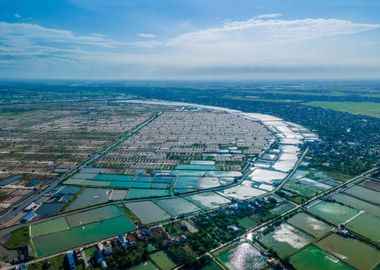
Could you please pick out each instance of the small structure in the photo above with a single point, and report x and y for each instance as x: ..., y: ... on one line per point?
x: 27, y: 217
x: 70, y: 260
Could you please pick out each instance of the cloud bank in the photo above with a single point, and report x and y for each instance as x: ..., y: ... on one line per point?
x: 265, y: 44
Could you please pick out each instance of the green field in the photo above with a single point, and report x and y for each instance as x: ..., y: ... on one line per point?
x: 363, y: 108
x: 18, y: 238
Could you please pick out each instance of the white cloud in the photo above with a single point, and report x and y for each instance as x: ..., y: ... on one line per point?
x: 256, y: 45
x: 146, y: 35
x: 269, y: 16
x: 260, y: 30
x: 29, y: 34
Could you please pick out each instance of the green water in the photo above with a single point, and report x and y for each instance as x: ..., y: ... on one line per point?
x: 147, y: 193
x: 333, y: 212
x: 51, y: 226
x: 309, y: 224
x: 94, y: 215
x: 354, y: 252
x: 202, y: 162
x: 147, y: 211
x: 367, y: 226
x: 282, y: 209
x: 358, y: 204
x: 57, y: 242
x: 301, y: 189
x: 285, y: 240
x: 199, y: 167
x: 365, y: 194
x: 177, y: 206
x: 313, y: 258
x: 118, y: 184
x: 114, y: 177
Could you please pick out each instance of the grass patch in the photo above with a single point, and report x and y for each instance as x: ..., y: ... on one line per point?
x: 90, y: 251
x: 363, y: 108
x: 18, y: 238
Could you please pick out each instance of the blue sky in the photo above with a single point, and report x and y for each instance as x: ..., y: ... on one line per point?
x: 189, y: 39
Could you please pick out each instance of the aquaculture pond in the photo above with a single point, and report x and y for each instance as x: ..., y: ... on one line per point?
x: 208, y: 200
x: 90, y: 196
x: 364, y: 194
x: 375, y: 185
x: 313, y: 258
x: 177, y: 206
x: 282, y: 208
x: 309, y: 224
x: 301, y: 189
x: 358, y: 204
x: 243, y: 257
x: 367, y: 226
x: 352, y: 251
x: 51, y: 226
x: 89, y: 216
x: 135, y: 193
x: 285, y: 240
x: 52, y: 243
x: 242, y: 192
x: 148, y: 212
x: 333, y: 212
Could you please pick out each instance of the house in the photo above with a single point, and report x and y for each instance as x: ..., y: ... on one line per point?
x: 27, y: 217
x: 99, y: 259
x: 122, y: 240
x: 70, y: 260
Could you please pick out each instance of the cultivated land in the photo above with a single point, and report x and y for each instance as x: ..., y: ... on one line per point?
x: 200, y: 188
x: 363, y: 108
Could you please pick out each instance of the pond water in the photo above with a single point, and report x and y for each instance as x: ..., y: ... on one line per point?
x: 333, y: 212
x: 352, y: 251
x: 285, y: 240
x: 243, y: 257
x: 313, y: 258
x: 309, y: 224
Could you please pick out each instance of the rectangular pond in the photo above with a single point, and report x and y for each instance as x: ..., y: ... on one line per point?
x: 358, y: 204
x: 285, y: 240
x: 309, y: 224
x: 208, y: 200
x: 313, y: 258
x: 135, y: 193
x: 352, y: 251
x: 367, y: 226
x: 364, y: 194
x: 244, y: 256
x: 148, y: 212
x: 333, y: 212
x: 94, y: 215
x: 50, y: 226
x: 90, y: 196
x: 177, y: 206
x: 49, y: 244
